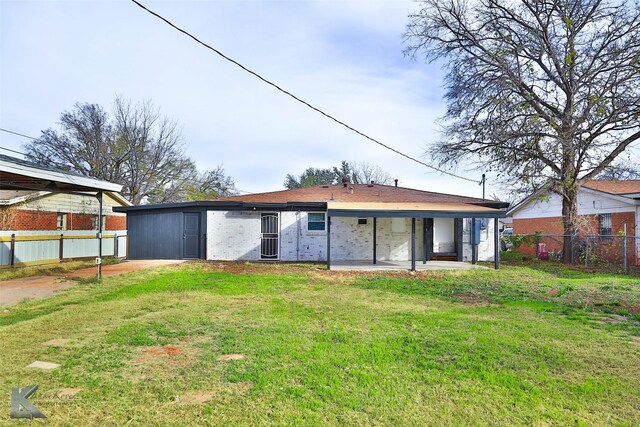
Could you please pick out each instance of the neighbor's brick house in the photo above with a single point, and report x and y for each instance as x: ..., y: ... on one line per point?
x: 604, y: 208
x: 40, y: 210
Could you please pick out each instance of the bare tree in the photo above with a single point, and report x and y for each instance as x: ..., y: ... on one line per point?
x: 545, y: 93
x: 136, y: 147
x: 156, y: 154
x: 194, y: 185
x: 364, y: 173
x: 85, y: 144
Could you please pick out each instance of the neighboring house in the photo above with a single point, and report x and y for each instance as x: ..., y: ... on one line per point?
x: 49, y: 215
x: 604, y: 208
x: 42, y: 210
x: 333, y: 223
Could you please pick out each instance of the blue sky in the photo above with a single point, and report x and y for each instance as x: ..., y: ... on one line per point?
x: 344, y: 56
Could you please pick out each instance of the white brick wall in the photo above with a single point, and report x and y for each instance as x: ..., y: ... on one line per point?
x: 236, y: 236
x: 233, y: 235
x: 485, y: 248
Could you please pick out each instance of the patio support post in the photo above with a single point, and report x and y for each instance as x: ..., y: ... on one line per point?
x: 496, y: 245
x: 375, y: 243
x: 472, y: 238
x: 424, y: 240
x: 413, y: 244
x: 328, y: 242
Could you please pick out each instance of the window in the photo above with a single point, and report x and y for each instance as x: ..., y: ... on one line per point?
x: 605, y: 226
x: 61, y: 223
x: 362, y: 221
x: 316, y: 221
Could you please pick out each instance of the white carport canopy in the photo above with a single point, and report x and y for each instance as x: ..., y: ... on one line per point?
x: 16, y: 174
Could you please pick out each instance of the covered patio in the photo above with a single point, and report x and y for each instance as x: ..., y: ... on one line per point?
x: 427, y: 213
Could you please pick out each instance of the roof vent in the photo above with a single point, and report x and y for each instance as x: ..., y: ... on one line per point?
x: 396, y: 180
x: 371, y: 185
x: 325, y: 186
x: 345, y: 181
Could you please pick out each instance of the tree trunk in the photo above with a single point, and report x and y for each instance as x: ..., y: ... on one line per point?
x: 570, y: 223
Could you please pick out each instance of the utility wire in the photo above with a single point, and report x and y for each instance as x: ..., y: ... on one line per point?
x: 19, y: 134
x: 13, y: 151
x: 318, y: 110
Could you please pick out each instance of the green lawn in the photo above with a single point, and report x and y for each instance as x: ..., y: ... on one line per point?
x: 520, y: 346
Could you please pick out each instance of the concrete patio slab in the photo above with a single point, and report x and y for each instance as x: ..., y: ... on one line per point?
x: 401, y: 266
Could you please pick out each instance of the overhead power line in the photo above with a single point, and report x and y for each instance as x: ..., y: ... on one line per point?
x: 316, y: 109
x: 19, y: 134
x: 12, y: 151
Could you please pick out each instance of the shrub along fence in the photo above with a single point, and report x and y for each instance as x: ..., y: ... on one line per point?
x: 28, y: 248
x: 590, y: 250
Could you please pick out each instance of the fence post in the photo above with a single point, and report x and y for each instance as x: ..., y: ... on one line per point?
x: 537, y: 245
x: 61, y: 247
x: 586, y: 248
x: 115, y: 244
x: 624, y: 246
x: 12, y: 256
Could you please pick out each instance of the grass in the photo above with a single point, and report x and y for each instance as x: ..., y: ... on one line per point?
x: 53, y: 269
x: 521, y: 346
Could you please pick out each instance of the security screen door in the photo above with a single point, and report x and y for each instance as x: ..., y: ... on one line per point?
x: 269, y: 236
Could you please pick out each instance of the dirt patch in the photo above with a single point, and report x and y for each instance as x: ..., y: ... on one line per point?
x: 231, y: 357
x: 57, y: 342
x: 169, y: 350
x: 68, y: 393
x: 199, y: 397
x: 469, y: 298
x: 156, y: 359
x: 122, y: 267
x: 195, y: 397
x: 316, y: 270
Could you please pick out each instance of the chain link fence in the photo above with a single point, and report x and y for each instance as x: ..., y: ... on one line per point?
x: 611, y: 252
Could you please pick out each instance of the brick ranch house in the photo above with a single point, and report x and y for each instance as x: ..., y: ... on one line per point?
x: 366, y: 223
x: 604, y: 208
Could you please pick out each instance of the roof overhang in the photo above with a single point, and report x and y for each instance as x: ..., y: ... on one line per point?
x: 226, y: 206
x: 413, y: 210
x: 16, y: 174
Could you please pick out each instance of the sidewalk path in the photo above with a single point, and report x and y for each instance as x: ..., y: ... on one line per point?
x: 15, y: 290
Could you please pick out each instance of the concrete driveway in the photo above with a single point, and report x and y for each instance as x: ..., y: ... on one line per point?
x: 37, y: 287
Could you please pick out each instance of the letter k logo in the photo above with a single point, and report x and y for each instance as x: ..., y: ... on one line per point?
x: 20, y: 406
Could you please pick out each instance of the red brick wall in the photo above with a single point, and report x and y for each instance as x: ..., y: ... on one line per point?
x: 611, y: 251
x: 39, y: 220
x: 116, y: 222
x: 32, y: 220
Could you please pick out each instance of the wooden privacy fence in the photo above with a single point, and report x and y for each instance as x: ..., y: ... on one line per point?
x: 28, y: 248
